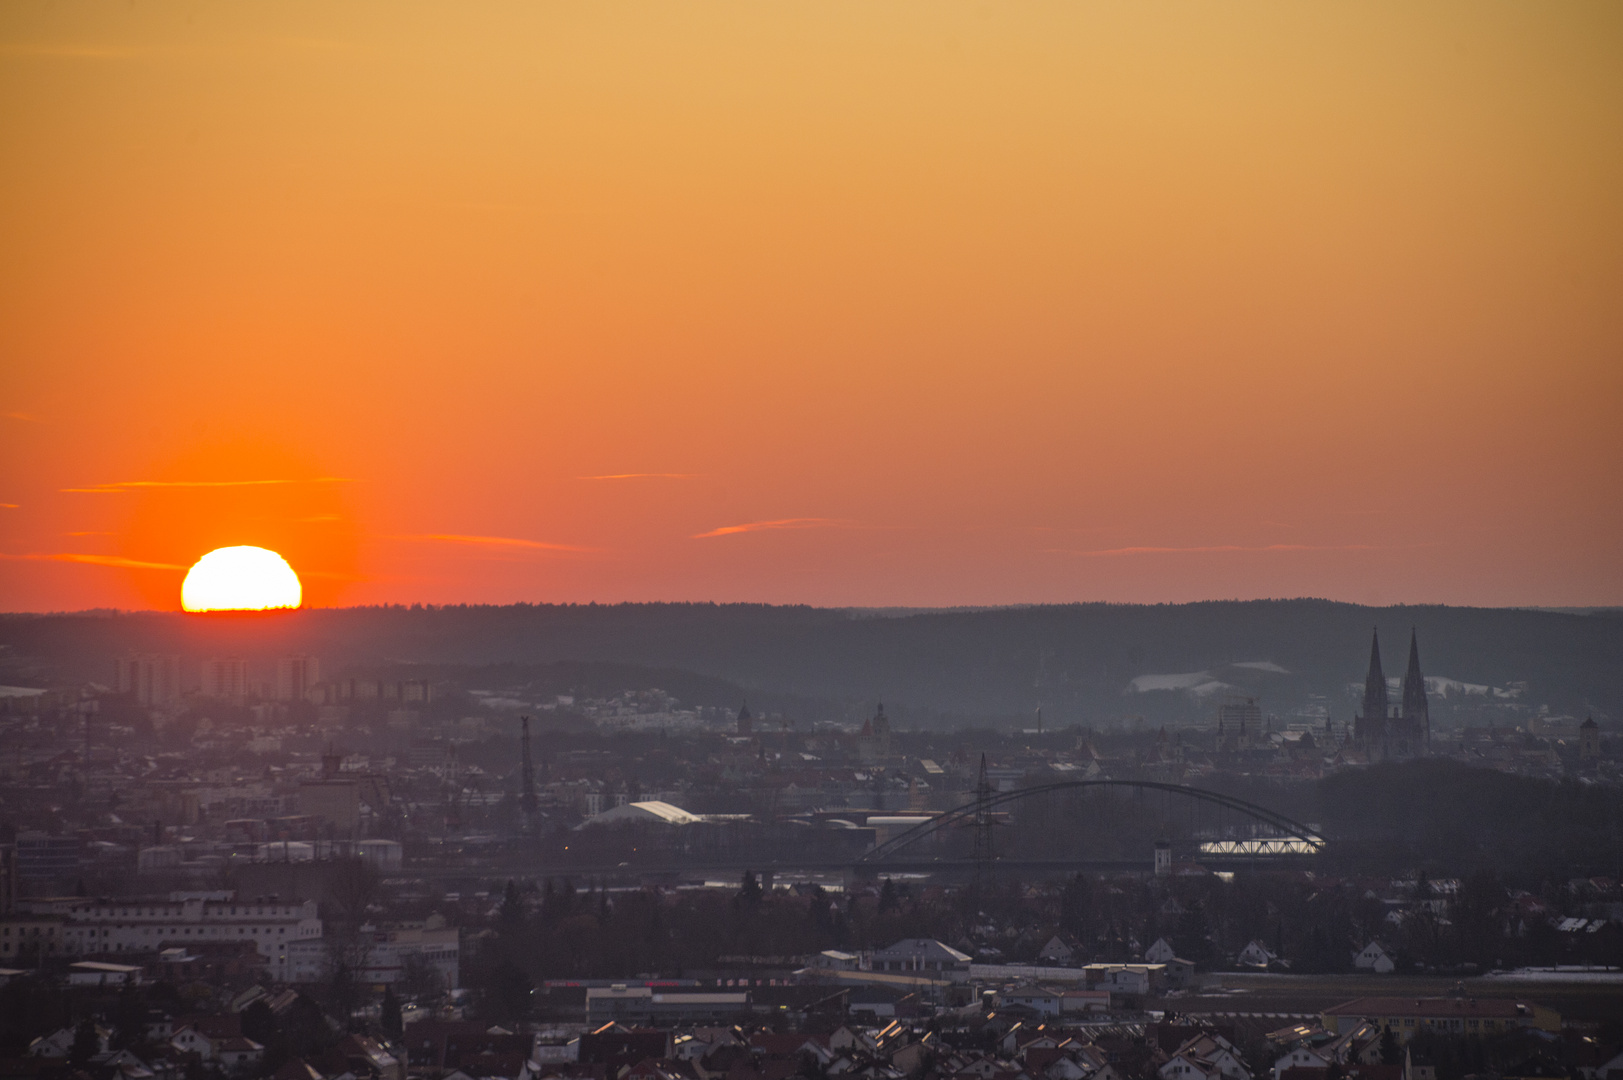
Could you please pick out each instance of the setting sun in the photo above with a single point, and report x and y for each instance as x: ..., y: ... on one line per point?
x: 240, y: 579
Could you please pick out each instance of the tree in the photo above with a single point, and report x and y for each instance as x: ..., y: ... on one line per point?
x: 305, y: 1028
x: 887, y: 896
x: 259, y: 1023
x: 510, y: 918
x: 389, y: 1015
x: 352, y: 888
x: 749, y: 892
x: 419, y: 979
x: 505, y: 993
x: 1391, y: 1052
x: 28, y: 1007
x: 1075, y: 906
x: 343, y: 991
x: 129, y: 1016
x: 86, y: 1041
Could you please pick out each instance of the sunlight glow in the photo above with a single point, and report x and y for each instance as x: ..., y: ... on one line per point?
x: 240, y: 579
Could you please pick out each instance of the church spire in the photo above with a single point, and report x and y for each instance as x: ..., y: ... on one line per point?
x: 1374, y: 717
x: 1416, y: 707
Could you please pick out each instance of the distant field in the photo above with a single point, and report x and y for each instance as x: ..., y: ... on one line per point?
x: 1601, y: 998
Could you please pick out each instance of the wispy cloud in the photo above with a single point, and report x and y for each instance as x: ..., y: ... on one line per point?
x: 509, y: 542
x: 330, y: 575
x: 780, y: 523
x: 20, y: 416
x: 314, y: 44
x: 119, y: 487
x: 67, y: 51
x: 90, y: 532
x: 1213, y: 549
x: 94, y: 560
x: 11, y: 506
x: 642, y: 476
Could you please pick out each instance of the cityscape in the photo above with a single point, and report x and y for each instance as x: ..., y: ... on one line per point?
x: 271, y: 864
x: 922, y: 540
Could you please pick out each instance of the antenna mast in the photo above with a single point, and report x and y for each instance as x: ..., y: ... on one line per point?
x: 527, y: 795
x: 982, y: 826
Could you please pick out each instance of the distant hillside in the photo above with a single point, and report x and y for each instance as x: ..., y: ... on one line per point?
x: 1084, y: 663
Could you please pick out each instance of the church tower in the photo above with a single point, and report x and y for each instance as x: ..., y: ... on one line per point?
x: 1416, y: 706
x: 1370, y: 729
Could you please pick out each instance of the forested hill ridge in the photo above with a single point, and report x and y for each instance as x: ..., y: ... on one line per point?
x: 1081, y: 663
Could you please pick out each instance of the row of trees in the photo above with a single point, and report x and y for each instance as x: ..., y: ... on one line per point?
x: 554, y: 931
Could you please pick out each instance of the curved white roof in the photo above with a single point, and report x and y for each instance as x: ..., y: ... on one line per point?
x: 651, y: 811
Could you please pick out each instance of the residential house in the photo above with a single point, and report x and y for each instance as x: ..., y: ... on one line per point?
x: 1374, y: 958
x: 1207, y: 1055
x: 58, y: 1043
x: 1041, y: 1000
x: 1256, y: 955
x: 1300, y: 1057
x: 238, y: 1054
x: 1160, y: 951
x: 1056, y: 952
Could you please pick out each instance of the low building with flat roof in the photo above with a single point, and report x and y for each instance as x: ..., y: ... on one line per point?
x: 1455, y: 1015
x: 922, y: 956
x: 646, y: 1005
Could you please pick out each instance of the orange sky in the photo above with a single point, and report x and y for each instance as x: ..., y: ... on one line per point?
x: 970, y: 303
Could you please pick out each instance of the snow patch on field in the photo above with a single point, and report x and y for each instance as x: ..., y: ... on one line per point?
x: 1197, y: 683
x: 1563, y: 974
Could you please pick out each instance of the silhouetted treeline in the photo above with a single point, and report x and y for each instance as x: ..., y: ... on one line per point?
x: 1453, y: 818
x: 1317, y: 922
x: 928, y: 667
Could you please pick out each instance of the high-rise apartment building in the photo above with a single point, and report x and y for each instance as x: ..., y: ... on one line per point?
x: 226, y: 677
x: 295, y: 675
x: 152, y: 679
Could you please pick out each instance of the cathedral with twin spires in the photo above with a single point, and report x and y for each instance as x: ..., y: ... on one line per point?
x: 1384, y: 732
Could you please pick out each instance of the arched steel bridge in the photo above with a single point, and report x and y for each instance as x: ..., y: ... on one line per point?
x: 1292, y: 837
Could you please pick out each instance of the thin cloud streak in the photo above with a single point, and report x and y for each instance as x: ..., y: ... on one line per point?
x: 11, y: 506
x: 69, y: 52
x: 780, y: 523
x: 1214, y: 549
x: 119, y: 487
x: 642, y: 476
x: 94, y: 560
x: 494, y: 541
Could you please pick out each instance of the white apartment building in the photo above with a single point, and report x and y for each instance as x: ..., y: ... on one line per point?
x: 386, y: 954
x: 146, y: 925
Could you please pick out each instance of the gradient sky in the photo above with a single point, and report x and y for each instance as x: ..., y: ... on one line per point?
x: 838, y: 303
